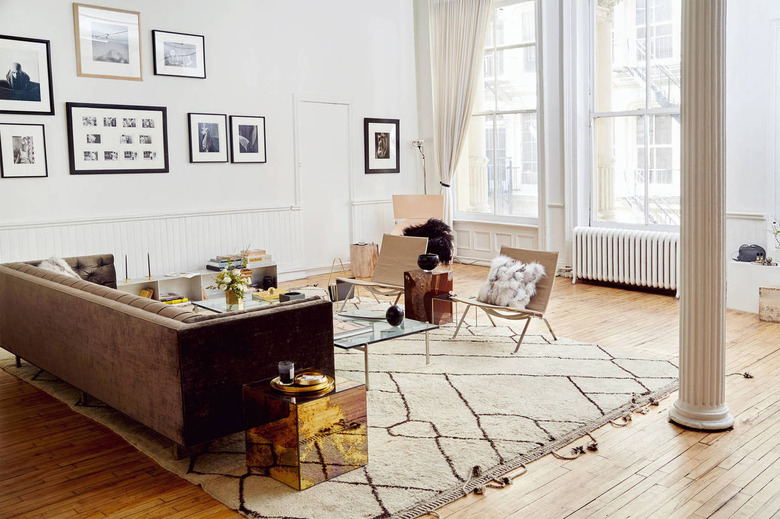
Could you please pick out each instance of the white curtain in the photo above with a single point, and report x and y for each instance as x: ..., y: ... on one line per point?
x: 457, y: 32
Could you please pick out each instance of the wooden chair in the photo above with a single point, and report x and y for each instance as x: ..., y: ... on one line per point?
x: 538, y: 304
x: 397, y: 255
x: 415, y: 209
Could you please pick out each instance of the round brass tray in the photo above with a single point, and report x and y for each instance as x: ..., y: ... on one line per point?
x: 310, y: 378
x: 303, y: 390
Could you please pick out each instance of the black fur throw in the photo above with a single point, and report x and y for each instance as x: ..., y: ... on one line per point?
x: 440, y: 238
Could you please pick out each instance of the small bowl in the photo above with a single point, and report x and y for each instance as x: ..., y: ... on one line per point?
x: 428, y: 261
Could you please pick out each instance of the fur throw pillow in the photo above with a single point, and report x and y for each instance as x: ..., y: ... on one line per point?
x: 440, y: 238
x: 510, y: 283
x: 58, y: 265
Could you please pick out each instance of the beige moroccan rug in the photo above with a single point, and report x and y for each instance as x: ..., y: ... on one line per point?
x: 475, y: 404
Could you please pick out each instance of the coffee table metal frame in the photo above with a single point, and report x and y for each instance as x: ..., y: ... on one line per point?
x: 382, y: 331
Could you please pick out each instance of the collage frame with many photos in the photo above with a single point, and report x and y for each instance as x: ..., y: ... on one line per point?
x: 106, y: 139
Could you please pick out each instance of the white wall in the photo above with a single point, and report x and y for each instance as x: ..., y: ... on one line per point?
x: 752, y: 104
x: 258, y: 54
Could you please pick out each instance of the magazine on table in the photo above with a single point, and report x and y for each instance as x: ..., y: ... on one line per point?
x: 343, y: 329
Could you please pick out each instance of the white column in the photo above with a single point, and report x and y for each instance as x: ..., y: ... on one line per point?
x: 702, y: 401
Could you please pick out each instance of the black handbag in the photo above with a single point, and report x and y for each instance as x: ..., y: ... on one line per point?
x: 751, y: 253
x: 339, y: 290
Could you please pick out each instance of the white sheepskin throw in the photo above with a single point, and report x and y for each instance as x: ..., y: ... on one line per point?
x: 58, y: 265
x: 510, y: 283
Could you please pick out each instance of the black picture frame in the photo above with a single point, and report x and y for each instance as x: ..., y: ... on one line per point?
x: 214, y: 152
x: 20, y: 156
x: 181, y: 64
x: 33, y: 100
x: 114, y: 148
x: 382, y: 145
x: 239, y: 154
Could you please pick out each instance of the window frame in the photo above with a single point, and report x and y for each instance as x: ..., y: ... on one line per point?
x: 646, y: 114
x: 473, y: 216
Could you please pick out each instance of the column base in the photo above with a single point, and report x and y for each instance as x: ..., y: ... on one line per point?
x: 701, y: 418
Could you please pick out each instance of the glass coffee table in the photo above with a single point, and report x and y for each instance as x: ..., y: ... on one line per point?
x: 382, y: 331
x: 219, y: 305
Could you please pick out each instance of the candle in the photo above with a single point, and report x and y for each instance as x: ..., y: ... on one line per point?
x: 126, y: 278
x: 149, y: 265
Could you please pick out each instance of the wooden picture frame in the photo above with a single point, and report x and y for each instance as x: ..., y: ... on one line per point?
x: 381, y: 145
x: 26, y: 85
x: 23, y: 151
x: 108, y: 42
x: 247, y: 139
x: 208, y: 137
x: 110, y: 139
x: 179, y: 54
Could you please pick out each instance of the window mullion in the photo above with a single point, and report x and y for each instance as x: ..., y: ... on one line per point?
x: 647, y: 107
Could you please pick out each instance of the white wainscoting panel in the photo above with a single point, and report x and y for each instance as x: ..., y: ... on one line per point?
x: 175, y: 243
x: 483, y: 240
x: 371, y: 219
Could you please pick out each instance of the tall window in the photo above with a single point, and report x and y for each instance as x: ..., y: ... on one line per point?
x: 636, y: 117
x: 498, y: 173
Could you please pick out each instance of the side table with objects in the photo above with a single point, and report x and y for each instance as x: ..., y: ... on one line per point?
x: 302, y: 437
x: 421, y: 287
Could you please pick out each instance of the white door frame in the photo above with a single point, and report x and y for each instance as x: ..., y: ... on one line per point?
x: 298, y: 100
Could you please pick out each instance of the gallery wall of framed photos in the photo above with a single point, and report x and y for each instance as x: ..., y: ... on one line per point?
x: 205, y: 59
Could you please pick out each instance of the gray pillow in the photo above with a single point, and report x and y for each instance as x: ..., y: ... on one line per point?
x: 58, y: 265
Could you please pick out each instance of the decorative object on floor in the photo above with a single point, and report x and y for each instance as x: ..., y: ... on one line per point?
x: 397, y: 255
x: 179, y: 54
x: 394, y: 315
x: 108, y: 42
x: 362, y: 259
x: 769, y: 304
x: 247, y: 139
x: 430, y: 425
x: 117, y: 138
x: 420, y: 287
x: 339, y: 290
x: 428, y: 261
x: 510, y: 282
x: 304, y: 440
x: 537, y: 304
x: 382, y: 142
x: 25, y: 86
x: 23, y: 151
x: 208, y: 137
x: 440, y: 239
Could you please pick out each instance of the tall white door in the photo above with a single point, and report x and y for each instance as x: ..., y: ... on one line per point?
x: 323, y: 155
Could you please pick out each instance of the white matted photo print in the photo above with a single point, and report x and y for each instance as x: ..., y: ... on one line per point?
x: 208, y: 137
x: 381, y: 145
x: 247, y: 139
x: 22, y: 151
x: 178, y: 54
x: 117, y: 138
x: 108, y: 42
x: 25, y: 76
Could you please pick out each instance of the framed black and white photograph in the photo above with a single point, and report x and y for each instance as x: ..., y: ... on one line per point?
x: 108, y: 42
x: 105, y: 139
x: 22, y: 151
x: 25, y: 76
x: 247, y: 139
x: 179, y: 54
x: 208, y: 137
x: 381, y: 145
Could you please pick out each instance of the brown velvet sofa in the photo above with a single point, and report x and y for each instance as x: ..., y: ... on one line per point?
x: 178, y: 372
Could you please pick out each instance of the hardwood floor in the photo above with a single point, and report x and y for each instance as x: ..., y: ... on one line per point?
x: 57, y: 463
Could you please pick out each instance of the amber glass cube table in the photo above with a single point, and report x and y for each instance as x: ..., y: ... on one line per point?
x: 302, y: 441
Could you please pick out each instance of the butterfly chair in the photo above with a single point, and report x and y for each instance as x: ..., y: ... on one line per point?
x: 397, y: 255
x: 415, y: 209
x: 538, y: 304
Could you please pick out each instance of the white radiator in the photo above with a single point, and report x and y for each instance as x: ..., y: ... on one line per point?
x: 643, y: 258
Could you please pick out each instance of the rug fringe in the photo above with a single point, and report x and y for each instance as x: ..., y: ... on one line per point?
x: 454, y: 493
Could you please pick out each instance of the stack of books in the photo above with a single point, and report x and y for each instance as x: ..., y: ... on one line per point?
x: 222, y: 262
x: 254, y: 258
x: 249, y: 259
x: 172, y: 298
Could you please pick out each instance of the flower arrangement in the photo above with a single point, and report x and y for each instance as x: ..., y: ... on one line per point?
x: 231, y: 281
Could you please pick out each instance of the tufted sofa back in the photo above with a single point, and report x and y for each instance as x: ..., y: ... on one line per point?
x: 97, y: 268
